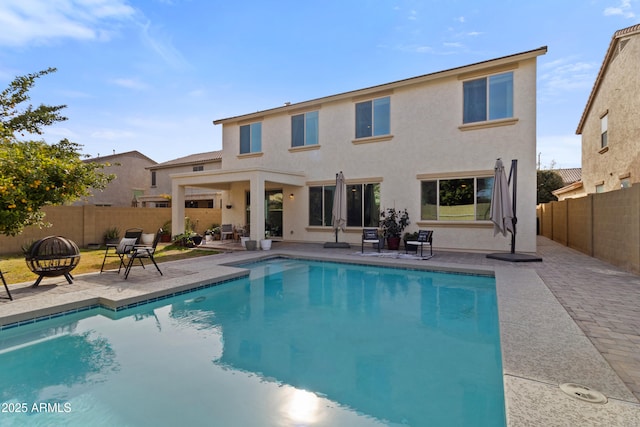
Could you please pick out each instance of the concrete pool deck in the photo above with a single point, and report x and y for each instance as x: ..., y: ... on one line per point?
x: 568, y: 319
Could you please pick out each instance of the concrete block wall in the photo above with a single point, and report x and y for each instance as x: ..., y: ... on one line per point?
x: 604, y: 225
x: 87, y: 224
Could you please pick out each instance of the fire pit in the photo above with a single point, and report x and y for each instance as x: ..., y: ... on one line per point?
x: 53, y: 256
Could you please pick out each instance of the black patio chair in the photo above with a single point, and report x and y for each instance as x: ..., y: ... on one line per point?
x: 425, y: 238
x: 143, y: 252
x: 370, y: 235
x: 131, y: 238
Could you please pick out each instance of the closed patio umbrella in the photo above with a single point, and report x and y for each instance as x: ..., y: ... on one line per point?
x: 501, y: 212
x: 339, y: 212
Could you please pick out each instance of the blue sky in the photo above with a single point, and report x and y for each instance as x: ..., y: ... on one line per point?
x: 152, y: 75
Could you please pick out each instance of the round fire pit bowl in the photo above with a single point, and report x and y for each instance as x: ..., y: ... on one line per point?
x: 53, y: 256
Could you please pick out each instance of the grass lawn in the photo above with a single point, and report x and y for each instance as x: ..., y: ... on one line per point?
x: 15, y: 269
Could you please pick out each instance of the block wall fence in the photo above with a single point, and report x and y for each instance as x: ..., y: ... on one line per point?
x: 87, y: 224
x: 605, y: 225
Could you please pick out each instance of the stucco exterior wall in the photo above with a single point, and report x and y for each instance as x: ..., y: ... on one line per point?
x: 427, y: 140
x: 618, y: 96
x: 130, y: 172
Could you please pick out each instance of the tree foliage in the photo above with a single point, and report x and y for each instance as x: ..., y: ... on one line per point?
x: 34, y: 174
x: 548, y: 181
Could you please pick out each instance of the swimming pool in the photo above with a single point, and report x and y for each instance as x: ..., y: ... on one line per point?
x: 296, y: 343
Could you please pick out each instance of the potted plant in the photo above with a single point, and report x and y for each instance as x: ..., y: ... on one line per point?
x: 393, y: 222
x: 165, y: 236
x: 407, y: 237
x: 111, y: 236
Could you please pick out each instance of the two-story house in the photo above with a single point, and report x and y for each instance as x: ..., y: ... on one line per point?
x: 130, y: 179
x: 610, y: 123
x: 159, y: 176
x: 428, y: 144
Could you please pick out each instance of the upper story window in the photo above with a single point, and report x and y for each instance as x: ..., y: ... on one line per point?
x: 488, y: 98
x: 304, y: 129
x: 599, y: 188
x: 198, y: 168
x: 460, y: 199
x: 153, y: 178
x: 603, y: 130
x: 373, y: 117
x: 251, y: 138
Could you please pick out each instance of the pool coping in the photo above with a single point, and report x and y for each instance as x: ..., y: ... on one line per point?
x: 541, y: 345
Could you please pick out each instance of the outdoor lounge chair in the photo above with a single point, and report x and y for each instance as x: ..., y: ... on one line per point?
x: 226, y: 230
x: 370, y: 235
x: 425, y: 238
x: 131, y: 238
x: 140, y: 252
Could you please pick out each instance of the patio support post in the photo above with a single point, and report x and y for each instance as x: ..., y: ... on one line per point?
x: 177, y: 208
x: 257, y: 206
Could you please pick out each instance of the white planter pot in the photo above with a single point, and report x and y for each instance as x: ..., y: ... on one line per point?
x: 243, y: 241
x: 208, y: 238
x: 265, y: 244
x: 147, y: 239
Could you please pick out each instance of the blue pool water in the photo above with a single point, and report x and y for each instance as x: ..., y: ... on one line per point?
x: 298, y: 343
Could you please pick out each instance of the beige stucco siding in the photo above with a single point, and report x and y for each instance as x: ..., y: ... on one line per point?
x: 618, y: 96
x: 427, y: 141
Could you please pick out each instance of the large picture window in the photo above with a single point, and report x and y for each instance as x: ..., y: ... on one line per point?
x: 251, y: 138
x: 373, y: 118
x: 304, y: 129
x: 488, y: 98
x: 363, y: 205
x: 460, y: 199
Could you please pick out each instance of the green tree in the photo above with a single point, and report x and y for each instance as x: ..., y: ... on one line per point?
x: 548, y: 181
x: 33, y: 173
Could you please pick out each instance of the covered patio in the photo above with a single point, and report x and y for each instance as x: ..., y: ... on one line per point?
x: 235, y: 184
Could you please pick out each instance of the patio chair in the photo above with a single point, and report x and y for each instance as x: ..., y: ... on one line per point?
x: 226, y: 230
x: 370, y: 235
x: 131, y: 238
x: 143, y: 252
x: 4, y: 282
x: 425, y: 238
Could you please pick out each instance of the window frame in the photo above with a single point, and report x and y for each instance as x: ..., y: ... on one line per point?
x: 254, y: 141
x: 489, y: 98
x: 604, y: 130
x: 375, y: 114
x: 480, y: 183
x: 307, y: 117
x: 366, y: 217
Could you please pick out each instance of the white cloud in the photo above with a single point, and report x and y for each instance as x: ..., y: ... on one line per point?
x: 624, y: 10
x: 112, y: 134
x: 131, y: 84
x: 413, y: 15
x: 453, y: 44
x: 460, y: 19
x: 565, y: 75
x: 42, y: 21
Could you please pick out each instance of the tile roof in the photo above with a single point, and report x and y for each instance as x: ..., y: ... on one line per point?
x: 569, y: 175
x: 192, y: 159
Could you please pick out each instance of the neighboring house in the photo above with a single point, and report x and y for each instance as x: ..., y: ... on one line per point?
x: 131, y: 180
x: 610, y: 123
x: 572, y: 184
x: 428, y: 144
x: 159, y: 194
